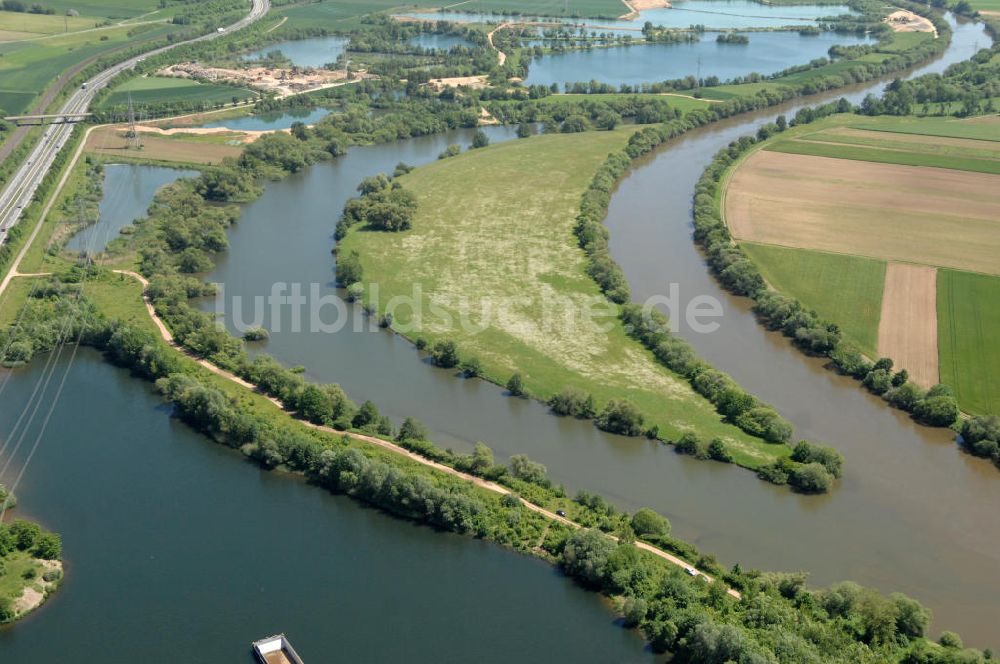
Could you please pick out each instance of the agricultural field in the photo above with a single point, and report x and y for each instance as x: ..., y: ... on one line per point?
x: 518, y: 276
x: 989, y: 6
x: 963, y: 154
x: 152, y: 90
x: 112, y: 9
x: 967, y: 337
x: 842, y: 288
x: 177, y: 149
x: 28, y: 67
x: 341, y: 14
x: 888, y: 227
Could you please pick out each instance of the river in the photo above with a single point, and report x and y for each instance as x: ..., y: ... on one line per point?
x: 913, y: 514
x: 177, y: 549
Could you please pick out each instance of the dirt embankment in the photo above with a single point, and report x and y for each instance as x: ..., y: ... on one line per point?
x: 907, y: 331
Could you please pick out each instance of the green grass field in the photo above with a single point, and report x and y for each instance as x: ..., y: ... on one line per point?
x: 158, y: 89
x: 968, y: 324
x: 983, y: 129
x: 12, y: 583
x: 841, y: 288
x: 494, y: 230
x: 924, y: 157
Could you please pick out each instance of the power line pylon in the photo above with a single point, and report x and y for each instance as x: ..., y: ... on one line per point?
x: 131, y: 134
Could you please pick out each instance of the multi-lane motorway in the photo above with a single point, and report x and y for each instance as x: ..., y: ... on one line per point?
x: 20, y: 189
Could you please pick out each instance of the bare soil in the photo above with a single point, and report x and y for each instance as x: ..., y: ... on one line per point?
x: 907, y: 21
x: 908, y: 328
x: 931, y: 216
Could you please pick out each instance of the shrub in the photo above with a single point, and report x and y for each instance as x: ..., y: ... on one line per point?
x: 256, y: 334
x: 717, y: 450
x: 445, y: 354
x: 647, y: 522
x: 516, y: 385
x: 621, y: 417
x: 810, y: 478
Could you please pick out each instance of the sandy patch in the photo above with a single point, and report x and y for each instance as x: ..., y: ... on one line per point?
x: 913, y: 214
x: 283, y: 82
x: 906, y: 21
x: 474, y: 82
x: 908, y: 328
x: 636, y: 6
x: 34, y: 594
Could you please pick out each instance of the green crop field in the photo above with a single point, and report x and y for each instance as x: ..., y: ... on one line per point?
x: 983, y: 128
x: 986, y: 5
x: 968, y: 325
x: 27, y: 68
x: 35, y: 25
x: 841, y: 288
x: 104, y: 8
x: 883, y: 156
x: 157, y: 89
x: 343, y: 13
x: 494, y: 229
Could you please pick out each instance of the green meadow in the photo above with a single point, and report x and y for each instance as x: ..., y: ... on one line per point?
x: 968, y: 325
x: 841, y: 288
x: 157, y: 89
x: 497, y: 247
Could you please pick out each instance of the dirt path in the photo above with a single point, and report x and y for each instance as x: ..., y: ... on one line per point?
x: 393, y: 447
x: 908, y: 328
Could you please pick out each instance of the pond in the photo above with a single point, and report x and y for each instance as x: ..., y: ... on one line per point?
x: 313, y: 52
x: 440, y: 42
x: 713, y: 14
x: 128, y: 191
x: 767, y: 53
x: 271, y: 121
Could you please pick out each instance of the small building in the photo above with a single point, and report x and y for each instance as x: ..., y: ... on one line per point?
x: 276, y: 650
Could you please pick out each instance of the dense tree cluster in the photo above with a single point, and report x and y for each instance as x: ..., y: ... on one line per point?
x: 981, y: 436
x: 778, y: 619
x: 384, y: 205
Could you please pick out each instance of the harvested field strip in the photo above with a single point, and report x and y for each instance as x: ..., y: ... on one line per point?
x: 844, y: 289
x: 110, y: 141
x: 986, y: 128
x: 938, y: 217
x: 939, y: 145
x: 908, y: 328
x: 969, y: 321
x: 885, y: 156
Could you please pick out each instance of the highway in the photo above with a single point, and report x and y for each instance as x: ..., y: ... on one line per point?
x: 21, y: 187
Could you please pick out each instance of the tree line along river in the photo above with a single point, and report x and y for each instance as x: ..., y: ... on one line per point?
x: 136, y: 496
